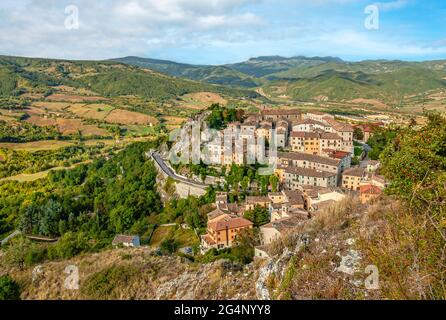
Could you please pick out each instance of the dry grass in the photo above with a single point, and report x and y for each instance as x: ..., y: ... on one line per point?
x: 171, y: 120
x: 27, y: 177
x: 129, y: 117
x: 204, y: 97
x: 408, y: 250
x: 92, y: 130
x: 73, y: 98
x: 52, y: 106
x: 7, y: 119
x: 36, y: 145
x: 41, y: 121
x: 68, y: 126
x: 91, y: 111
x: 135, y: 274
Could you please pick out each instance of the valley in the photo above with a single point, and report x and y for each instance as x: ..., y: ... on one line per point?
x: 79, y: 185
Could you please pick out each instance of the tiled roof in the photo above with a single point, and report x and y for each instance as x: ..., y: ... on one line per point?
x: 229, y: 222
x: 309, y: 172
x: 306, y: 135
x: 370, y: 189
x: 299, y: 156
x: 355, y: 172
x: 257, y: 199
x: 343, y: 128
x: 208, y: 239
x: 330, y: 136
x: 294, y: 197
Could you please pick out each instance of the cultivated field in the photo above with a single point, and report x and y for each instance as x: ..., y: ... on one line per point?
x: 119, y: 116
x: 41, y: 121
x: 73, y: 98
x: 68, y: 126
x: 92, y: 130
x: 52, y: 106
x: 91, y: 111
x: 36, y: 145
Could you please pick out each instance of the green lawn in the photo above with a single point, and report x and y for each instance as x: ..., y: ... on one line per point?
x: 185, y: 238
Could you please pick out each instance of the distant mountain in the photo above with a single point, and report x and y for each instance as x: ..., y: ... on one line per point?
x: 392, y: 87
x: 221, y: 75
x: 249, y: 74
x: 108, y: 78
x: 315, y: 78
x: 270, y: 65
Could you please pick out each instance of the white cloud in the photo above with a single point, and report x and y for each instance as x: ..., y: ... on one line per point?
x: 392, y: 5
x: 197, y: 31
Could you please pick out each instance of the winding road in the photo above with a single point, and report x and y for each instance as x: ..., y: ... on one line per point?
x: 169, y: 172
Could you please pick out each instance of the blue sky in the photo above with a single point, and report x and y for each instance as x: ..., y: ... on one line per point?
x: 223, y: 31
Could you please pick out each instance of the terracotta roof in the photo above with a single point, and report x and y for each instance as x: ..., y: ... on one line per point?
x: 309, y: 172
x: 341, y: 154
x: 208, y: 239
x: 330, y: 136
x: 299, y: 156
x: 370, y: 189
x: 381, y: 179
x: 282, y: 122
x: 306, y: 135
x: 229, y: 223
x: 215, y: 214
x: 343, y: 128
x: 266, y: 126
x: 355, y: 172
x: 294, y: 197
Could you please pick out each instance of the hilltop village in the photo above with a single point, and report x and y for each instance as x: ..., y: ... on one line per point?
x: 318, y: 163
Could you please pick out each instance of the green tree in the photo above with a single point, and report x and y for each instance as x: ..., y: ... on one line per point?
x: 358, y: 134
x: 17, y: 252
x: 245, y: 183
x: 9, y: 288
x: 169, y: 246
x: 259, y: 216
x: 274, y: 181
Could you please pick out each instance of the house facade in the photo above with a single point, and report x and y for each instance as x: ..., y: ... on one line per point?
x: 222, y: 231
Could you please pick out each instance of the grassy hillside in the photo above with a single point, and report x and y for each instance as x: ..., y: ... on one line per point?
x: 266, y: 66
x: 8, y: 82
x: 220, y: 75
x: 391, y: 87
x: 393, y: 82
x: 25, y: 75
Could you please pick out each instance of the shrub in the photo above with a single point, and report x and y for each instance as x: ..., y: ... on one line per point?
x: 106, y: 284
x: 9, y: 289
x: 70, y: 245
x: 169, y: 246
